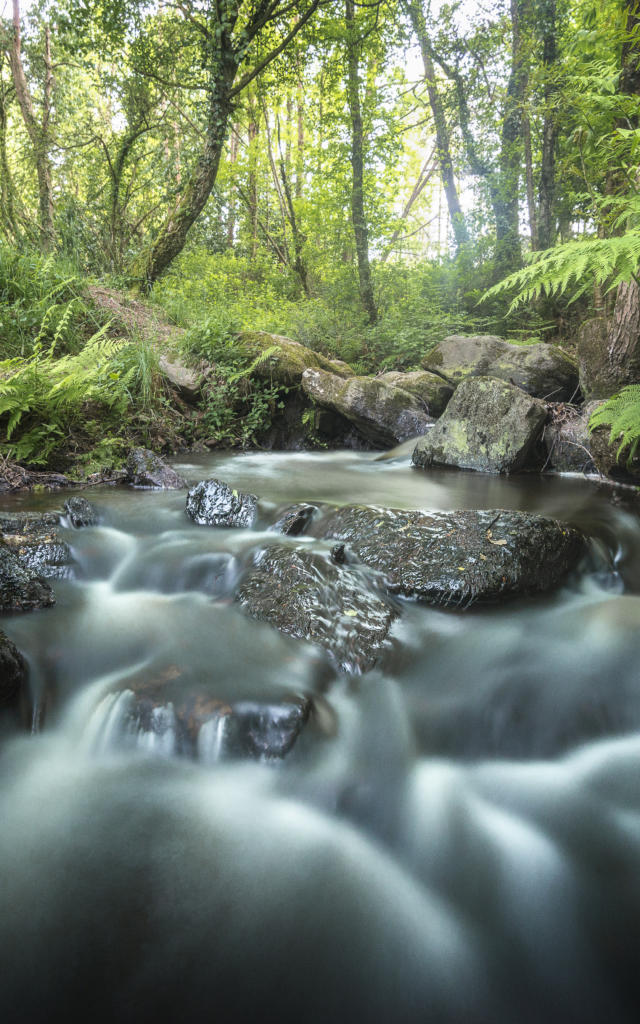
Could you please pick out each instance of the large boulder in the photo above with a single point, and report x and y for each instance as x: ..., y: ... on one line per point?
x: 13, y: 670
x: 214, y: 503
x: 489, y: 425
x: 287, y: 359
x: 35, y: 540
x: 456, y: 558
x: 21, y: 589
x: 306, y: 596
x: 542, y: 370
x: 428, y: 388
x: 146, y: 469
x: 383, y: 413
x: 568, y: 442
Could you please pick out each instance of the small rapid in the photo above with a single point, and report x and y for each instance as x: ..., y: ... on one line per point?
x: 453, y: 836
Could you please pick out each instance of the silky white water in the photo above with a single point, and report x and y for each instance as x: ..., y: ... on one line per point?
x: 455, y: 837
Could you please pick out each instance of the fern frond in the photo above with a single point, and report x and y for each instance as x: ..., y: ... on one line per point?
x: 621, y: 413
x: 258, y: 361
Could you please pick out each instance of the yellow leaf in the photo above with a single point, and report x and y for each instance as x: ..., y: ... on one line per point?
x: 350, y: 612
x: 498, y: 543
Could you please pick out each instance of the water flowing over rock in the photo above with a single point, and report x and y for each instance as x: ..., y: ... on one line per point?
x: 13, y: 670
x: 185, y: 720
x: 34, y: 538
x: 21, y: 589
x: 294, y: 520
x: 146, y: 469
x: 214, y: 503
x: 568, y: 442
x: 305, y: 596
x: 457, y: 558
x: 542, y: 370
x: 489, y: 426
x: 81, y: 512
x: 428, y: 388
x: 384, y: 414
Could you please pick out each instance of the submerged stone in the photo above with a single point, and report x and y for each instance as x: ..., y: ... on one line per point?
x: 383, y: 413
x: 13, y: 670
x: 488, y: 426
x: 214, y: 503
x: 81, y: 512
x: 146, y: 469
x: 457, y: 558
x: 308, y: 597
x: 21, y: 588
x: 542, y: 370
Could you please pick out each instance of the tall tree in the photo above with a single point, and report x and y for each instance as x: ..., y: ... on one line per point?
x: 443, y: 137
x: 38, y: 128
x: 358, y: 217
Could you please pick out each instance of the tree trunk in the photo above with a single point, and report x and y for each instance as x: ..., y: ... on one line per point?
x: 528, y: 165
x: 443, y: 141
x: 173, y: 235
x: 508, y: 255
x: 549, y: 128
x: 38, y: 133
x: 360, y: 229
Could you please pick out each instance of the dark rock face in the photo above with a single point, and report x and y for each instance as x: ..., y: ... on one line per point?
x: 456, y: 558
x: 542, y: 370
x: 430, y: 389
x: 384, y: 414
x: 305, y: 596
x: 214, y: 503
x: 33, y: 537
x: 568, y: 442
x: 295, y: 520
x: 13, y: 670
x: 81, y: 512
x: 489, y: 426
x: 21, y: 589
x: 146, y: 469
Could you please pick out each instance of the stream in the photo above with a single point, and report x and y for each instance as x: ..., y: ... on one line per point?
x: 455, y: 837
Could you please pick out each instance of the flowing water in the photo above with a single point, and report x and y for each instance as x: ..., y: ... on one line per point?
x: 455, y: 837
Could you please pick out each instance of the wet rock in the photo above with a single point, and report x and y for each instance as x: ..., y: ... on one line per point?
x: 542, y: 370
x: 295, y: 520
x: 21, y: 589
x: 489, y: 426
x: 34, y: 539
x: 428, y: 388
x: 567, y: 441
x: 288, y: 360
x: 15, y: 478
x: 305, y: 596
x: 457, y: 558
x: 13, y: 670
x: 214, y: 503
x: 146, y: 469
x: 384, y: 414
x: 81, y: 512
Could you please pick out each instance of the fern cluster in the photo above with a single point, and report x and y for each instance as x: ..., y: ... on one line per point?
x: 621, y: 413
x: 575, y: 266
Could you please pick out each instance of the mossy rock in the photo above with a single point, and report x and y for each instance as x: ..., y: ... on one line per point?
x: 285, y: 366
x: 428, y: 388
x: 489, y: 426
x: 383, y: 414
x: 542, y: 370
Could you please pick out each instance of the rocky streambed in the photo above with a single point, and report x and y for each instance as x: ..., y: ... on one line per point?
x: 329, y: 731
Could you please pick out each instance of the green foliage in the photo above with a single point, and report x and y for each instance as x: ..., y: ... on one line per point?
x: 573, y: 267
x: 621, y: 413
